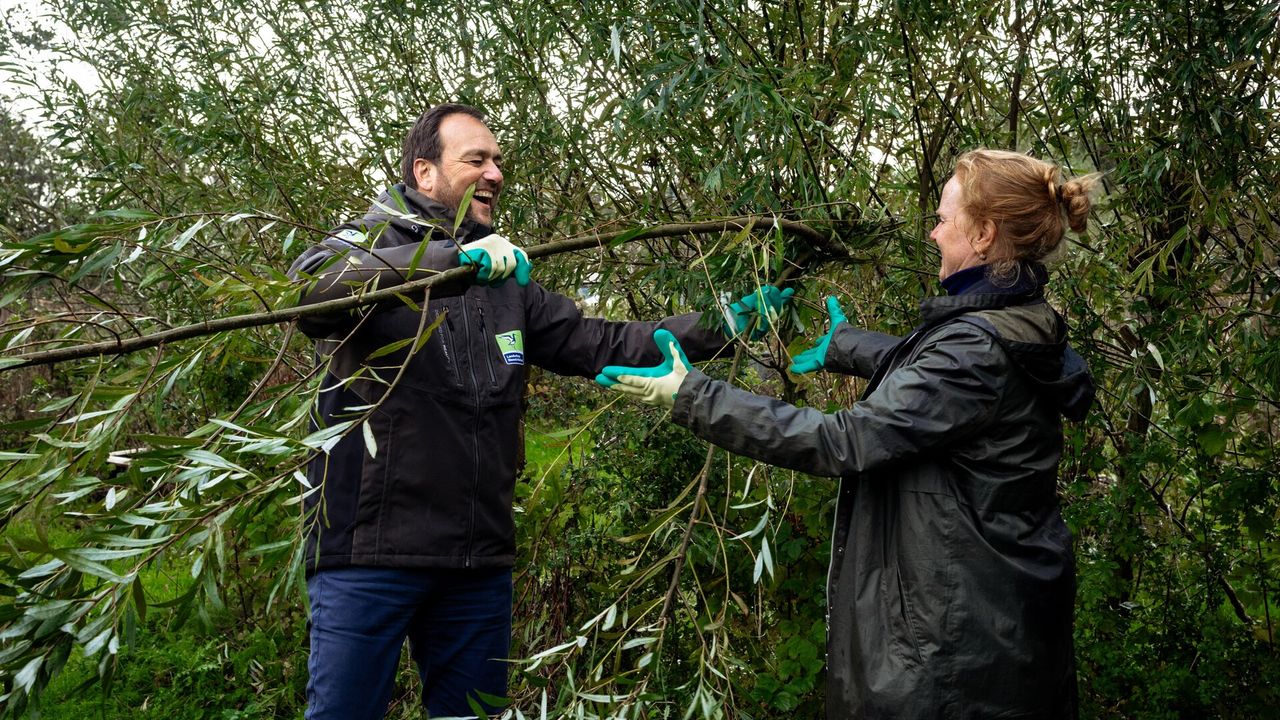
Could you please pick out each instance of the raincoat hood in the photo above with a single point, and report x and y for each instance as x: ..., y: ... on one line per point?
x: 1032, y: 332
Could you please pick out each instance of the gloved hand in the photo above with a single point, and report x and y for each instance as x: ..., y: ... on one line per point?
x: 497, y: 258
x: 815, y: 357
x: 755, y: 313
x: 655, y: 385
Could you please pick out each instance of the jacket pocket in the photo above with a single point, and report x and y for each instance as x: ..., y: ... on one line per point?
x: 486, y: 348
x: 900, y: 616
x: 501, y: 339
x: 449, y: 350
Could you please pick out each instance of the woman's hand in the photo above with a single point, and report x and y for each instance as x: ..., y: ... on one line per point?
x: 814, y: 358
x: 755, y: 313
x: 655, y: 385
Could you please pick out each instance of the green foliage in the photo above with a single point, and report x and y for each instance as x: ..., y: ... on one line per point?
x: 230, y: 674
x: 28, y: 204
x: 158, y: 489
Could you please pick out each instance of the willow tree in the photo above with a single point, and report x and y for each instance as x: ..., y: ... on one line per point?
x: 666, y: 154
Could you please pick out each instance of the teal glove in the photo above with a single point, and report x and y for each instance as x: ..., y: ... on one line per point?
x: 498, y: 259
x: 815, y: 357
x: 745, y: 316
x: 655, y: 385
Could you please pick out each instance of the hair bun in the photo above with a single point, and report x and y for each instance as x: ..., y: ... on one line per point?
x: 1074, y: 197
x: 1050, y: 181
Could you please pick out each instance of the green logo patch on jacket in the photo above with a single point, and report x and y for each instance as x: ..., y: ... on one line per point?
x: 511, y: 345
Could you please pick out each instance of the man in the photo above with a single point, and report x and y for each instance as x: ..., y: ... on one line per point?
x: 410, y: 532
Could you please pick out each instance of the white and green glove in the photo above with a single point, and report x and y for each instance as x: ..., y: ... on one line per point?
x: 756, y: 312
x: 815, y: 357
x: 497, y: 259
x: 655, y: 385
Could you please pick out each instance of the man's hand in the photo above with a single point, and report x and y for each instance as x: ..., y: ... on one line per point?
x: 756, y: 313
x: 498, y: 259
x: 655, y: 385
x: 815, y: 357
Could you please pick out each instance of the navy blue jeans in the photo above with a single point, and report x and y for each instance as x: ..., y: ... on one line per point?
x: 458, y: 623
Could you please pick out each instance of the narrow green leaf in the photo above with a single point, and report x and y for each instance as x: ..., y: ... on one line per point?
x: 26, y: 677
x: 42, y: 570
x: 59, y: 404
x: 409, y: 302
x: 99, y: 554
x: 1155, y: 353
x: 99, y: 641
x: 390, y: 348
x: 462, y: 207
x: 206, y: 458
x: 428, y: 332
x: 139, y: 595
x: 268, y: 547
x: 126, y: 214
x: 370, y: 444
x: 626, y: 237
x: 755, y: 530
x: 89, y: 567
x: 326, y: 438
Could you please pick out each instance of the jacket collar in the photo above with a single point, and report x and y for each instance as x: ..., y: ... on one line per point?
x: 979, y: 279
x: 975, y: 291
x: 934, y: 310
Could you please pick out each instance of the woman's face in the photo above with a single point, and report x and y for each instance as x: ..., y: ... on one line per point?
x: 952, y: 234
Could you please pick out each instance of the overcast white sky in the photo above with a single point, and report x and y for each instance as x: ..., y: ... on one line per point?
x: 38, y: 65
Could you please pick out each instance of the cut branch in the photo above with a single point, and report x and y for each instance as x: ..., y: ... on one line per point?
x: 123, y: 346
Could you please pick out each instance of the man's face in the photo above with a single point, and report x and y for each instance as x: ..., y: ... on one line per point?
x: 469, y: 155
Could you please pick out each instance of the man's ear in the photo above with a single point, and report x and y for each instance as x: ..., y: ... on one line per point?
x: 425, y: 172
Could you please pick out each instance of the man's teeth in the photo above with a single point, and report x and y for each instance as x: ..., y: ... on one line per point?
x: 483, y: 197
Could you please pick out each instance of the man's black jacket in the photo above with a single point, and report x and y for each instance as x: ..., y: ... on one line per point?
x: 430, y: 482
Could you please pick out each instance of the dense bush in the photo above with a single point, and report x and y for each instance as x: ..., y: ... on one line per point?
x: 148, y: 498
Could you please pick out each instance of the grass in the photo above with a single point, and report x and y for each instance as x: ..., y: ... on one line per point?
x: 230, y: 669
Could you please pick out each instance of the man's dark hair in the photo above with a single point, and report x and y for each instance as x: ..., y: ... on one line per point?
x: 423, y: 140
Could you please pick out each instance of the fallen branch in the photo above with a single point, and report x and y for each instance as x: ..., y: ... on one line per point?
x: 122, y: 346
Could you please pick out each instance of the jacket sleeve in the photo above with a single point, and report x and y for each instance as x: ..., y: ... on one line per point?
x: 858, y: 352
x: 949, y: 393
x: 563, y: 341
x: 339, y: 266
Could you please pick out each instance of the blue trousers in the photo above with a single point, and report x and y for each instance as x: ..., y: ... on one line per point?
x: 458, y: 623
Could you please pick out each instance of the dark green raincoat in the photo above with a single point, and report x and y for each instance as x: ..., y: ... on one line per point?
x: 952, y: 581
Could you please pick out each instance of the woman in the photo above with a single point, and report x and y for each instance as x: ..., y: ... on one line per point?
x: 952, y: 580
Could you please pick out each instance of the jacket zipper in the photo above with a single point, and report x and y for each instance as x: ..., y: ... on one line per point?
x: 446, y: 341
x: 833, y: 558
x: 837, y: 538
x: 488, y: 356
x: 475, y: 436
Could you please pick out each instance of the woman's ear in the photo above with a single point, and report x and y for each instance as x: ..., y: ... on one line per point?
x: 985, y: 239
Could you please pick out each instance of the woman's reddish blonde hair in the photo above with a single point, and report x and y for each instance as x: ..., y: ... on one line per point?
x: 1027, y: 201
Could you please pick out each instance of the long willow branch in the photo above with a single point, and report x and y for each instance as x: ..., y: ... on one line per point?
x: 704, y: 478
x: 236, y: 322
